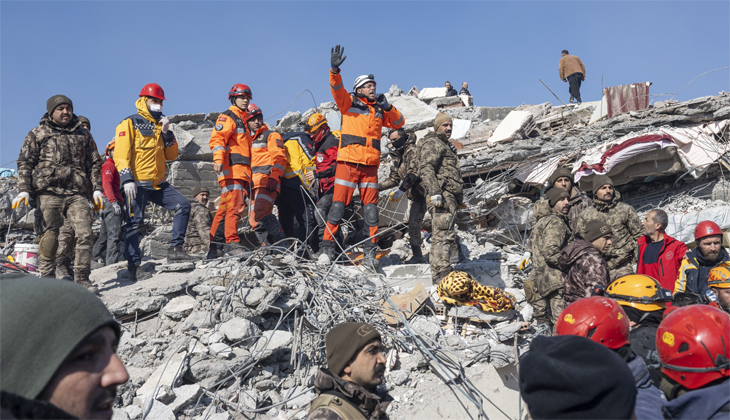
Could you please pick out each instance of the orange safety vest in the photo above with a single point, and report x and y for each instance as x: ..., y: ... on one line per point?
x: 231, y: 145
x: 268, y: 158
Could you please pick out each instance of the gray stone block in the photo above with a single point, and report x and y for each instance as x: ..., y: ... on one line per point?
x: 186, y: 117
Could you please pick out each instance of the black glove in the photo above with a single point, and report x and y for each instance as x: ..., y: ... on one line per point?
x: 383, y: 102
x: 337, y: 58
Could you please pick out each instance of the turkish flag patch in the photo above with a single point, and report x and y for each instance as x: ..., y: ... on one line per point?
x: 122, y: 133
x: 222, y: 118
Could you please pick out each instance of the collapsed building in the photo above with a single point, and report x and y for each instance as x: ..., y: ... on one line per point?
x: 242, y: 337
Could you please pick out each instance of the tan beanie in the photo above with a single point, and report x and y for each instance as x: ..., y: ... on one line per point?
x: 597, y: 228
x: 441, y: 118
x: 599, y: 181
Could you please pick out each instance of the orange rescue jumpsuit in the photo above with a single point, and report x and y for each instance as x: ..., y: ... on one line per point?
x: 268, y: 160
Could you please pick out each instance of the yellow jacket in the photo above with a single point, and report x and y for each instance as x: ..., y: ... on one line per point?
x: 299, y: 149
x: 141, y: 149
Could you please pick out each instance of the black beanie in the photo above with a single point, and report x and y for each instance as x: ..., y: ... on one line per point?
x: 572, y: 377
x: 599, y: 181
x: 555, y: 194
x: 559, y: 173
x: 344, y: 341
x: 57, y: 100
x: 42, y: 320
x: 597, y: 228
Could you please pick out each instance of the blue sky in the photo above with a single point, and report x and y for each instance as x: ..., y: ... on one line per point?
x: 100, y: 54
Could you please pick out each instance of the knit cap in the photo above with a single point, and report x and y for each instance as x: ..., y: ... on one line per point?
x: 561, y: 172
x: 572, y: 377
x: 597, y: 228
x: 599, y: 181
x: 344, y: 341
x: 441, y: 118
x: 57, y: 100
x: 42, y: 320
x: 199, y: 189
x: 83, y: 119
x: 555, y: 194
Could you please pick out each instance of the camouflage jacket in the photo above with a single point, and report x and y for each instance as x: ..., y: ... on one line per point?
x: 583, y: 266
x: 549, y: 236
x: 405, y: 170
x: 60, y: 160
x: 626, y: 229
x: 372, y: 405
x: 198, y: 232
x: 440, y: 170
x: 579, y: 201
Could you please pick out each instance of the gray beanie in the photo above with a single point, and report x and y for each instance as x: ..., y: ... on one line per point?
x: 597, y: 228
x: 199, y: 189
x: 57, y: 100
x: 42, y: 320
x: 556, y: 194
x: 344, y: 341
x: 599, y: 181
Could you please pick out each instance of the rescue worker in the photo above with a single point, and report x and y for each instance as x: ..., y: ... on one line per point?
x: 695, y: 269
x: 660, y: 255
x: 59, y: 167
x: 644, y: 302
x: 109, y: 247
x: 582, y: 263
x: 144, y: 142
x: 623, y: 220
x: 719, y: 283
x: 346, y: 390
x: 405, y: 174
x: 326, y: 146
x: 364, y: 114
x: 603, y: 320
x: 551, y: 234
x: 693, y: 347
x: 268, y: 161
x: 296, y: 200
x: 231, y: 146
x: 441, y: 179
x: 197, y: 236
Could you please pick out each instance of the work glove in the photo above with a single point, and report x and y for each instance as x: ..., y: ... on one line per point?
x: 23, y: 197
x: 271, y: 184
x: 525, y: 260
x: 337, y: 58
x: 130, y: 189
x: 383, y: 102
x: 117, y: 208
x: 396, y: 195
x: 165, y: 122
x: 437, y: 200
x: 98, y: 201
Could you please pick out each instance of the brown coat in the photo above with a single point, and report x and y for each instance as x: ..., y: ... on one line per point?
x: 570, y: 64
x: 583, y: 266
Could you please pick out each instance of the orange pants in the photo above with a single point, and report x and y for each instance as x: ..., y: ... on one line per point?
x: 261, y: 205
x: 225, y: 222
x: 349, y: 176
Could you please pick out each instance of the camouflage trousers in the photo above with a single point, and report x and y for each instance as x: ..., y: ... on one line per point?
x: 443, y: 236
x: 415, y: 220
x: 65, y: 252
x: 548, y: 308
x: 76, y: 210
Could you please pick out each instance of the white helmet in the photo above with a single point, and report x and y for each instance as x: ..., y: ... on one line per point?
x: 365, y: 78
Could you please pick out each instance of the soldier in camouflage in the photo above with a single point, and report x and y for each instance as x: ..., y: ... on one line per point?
x: 441, y: 180
x: 197, y: 235
x: 544, y: 286
x: 624, y: 222
x: 405, y: 174
x: 582, y: 262
x: 60, y: 168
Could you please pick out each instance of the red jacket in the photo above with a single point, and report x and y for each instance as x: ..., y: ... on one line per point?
x: 666, y: 270
x: 110, y: 181
x: 326, y: 152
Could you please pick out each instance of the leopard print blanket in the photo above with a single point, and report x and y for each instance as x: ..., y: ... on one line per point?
x: 460, y: 288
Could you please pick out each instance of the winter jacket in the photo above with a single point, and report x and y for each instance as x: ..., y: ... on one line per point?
x: 299, y: 151
x: 326, y: 151
x: 570, y: 64
x: 440, y: 170
x: 464, y: 91
x: 110, y: 182
x: 405, y: 170
x: 643, y: 344
x: 362, y: 124
x: 450, y: 91
x: 370, y: 405
x: 197, y: 235
x: 666, y: 270
x: 142, y: 149
x: 695, y: 270
x: 583, y: 267
x: 59, y: 160
x: 712, y: 402
x: 625, y: 224
x: 231, y: 145
x: 649, y: 399
x: 15, y: 406
x: 268, y: 158
x: 549, y: 236
x: 579, y: 202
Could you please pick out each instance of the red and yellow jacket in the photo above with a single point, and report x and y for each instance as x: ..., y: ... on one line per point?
x: 231, y: 145
x: 268, y: 158
x: 362, y: 123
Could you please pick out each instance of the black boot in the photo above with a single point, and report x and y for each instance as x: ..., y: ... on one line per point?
x: 417, y: 257
x: 214, y: 252
x: 176, y: 254
x: 135, y: 274
x: 328, y: 255
x: 456, y: 255
x: 368, y: 256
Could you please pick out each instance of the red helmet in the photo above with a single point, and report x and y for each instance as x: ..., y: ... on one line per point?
x: 707, y: 228
x: 254, y: 111
x: 598, y: 318
x: 693, y: 343
x: 239, y: 90
x: 154, y: 90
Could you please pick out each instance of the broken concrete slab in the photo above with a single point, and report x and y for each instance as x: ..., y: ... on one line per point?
x: 180, y: 307
x: 169, y: 374
x: 427, y: 94
x: 510, y: 127
x: 238, y: 329
x: 187, y: 175
x: 417, y: 114
x: 271, y: 342
x: 185, y: 266
x: 184, y: 395
x: 472, y: 312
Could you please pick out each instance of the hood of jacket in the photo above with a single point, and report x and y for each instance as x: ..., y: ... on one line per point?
x: 703, y: 403
x: 367, y: 401
x: 574, y: 251
x: 696, y: 255
x: 142, y: 110
x: 70, y: 127
x: 603, y: 206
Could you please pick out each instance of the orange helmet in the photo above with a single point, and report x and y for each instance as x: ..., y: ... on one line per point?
x: 313, y: 123
x: 597, y: 318
x: 110, y: 146
x: 720, y: 276
x: 639, y: 291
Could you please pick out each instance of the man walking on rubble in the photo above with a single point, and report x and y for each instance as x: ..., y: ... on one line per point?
x: 197, y: 236
x: 231, y: 146
x: 144, y: 142
x: 695, y: 269
x: 60, y: 168
x: 660, y: 255
x: 108, y: 248
x: 572, y: 71
x: 405, y: 173
x: 364, y: 114
x: 623, y: 220
x: 551, y: 234
x: 582, y: 262
x: 442, y: 182
x: 355, y: 367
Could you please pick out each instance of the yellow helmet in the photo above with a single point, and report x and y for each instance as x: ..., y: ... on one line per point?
x: 639, y: 291
x: 315, y: 121
x: 720, y: 276
x: 337, y: 134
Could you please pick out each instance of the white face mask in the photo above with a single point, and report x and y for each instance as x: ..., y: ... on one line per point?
x: 155, y: 107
